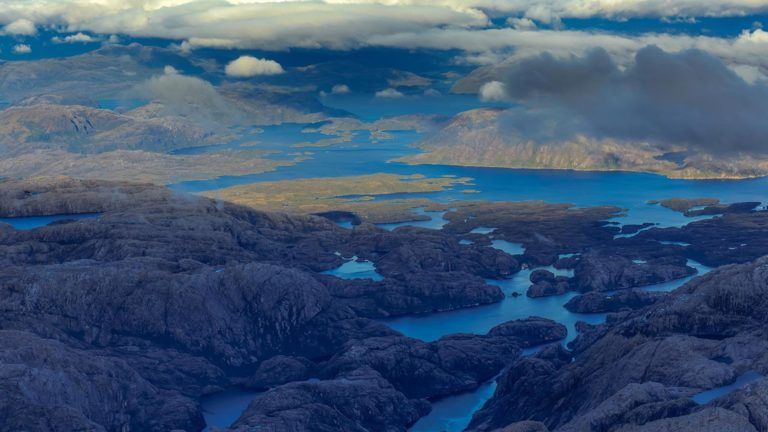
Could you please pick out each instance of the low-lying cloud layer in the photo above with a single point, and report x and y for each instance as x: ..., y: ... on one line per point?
x: 186, y: 96
x: 689, y: 98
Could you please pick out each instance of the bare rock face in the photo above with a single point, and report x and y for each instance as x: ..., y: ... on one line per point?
x: 84, y: 129
x: 515, y: 398
x: 750, y: 402
x: 540, y: 275
x: 597, y: 302
x: 416, y: 293
x: 360, y: 400
x: 49, y: 386
x: 524, y: 426
x: 280, y: 370
x: 604, y: 273
x: 545, y: 288
x: 634, y: 404
x: 545, y: 283
x: 707, y: 420
x: 236, y: 317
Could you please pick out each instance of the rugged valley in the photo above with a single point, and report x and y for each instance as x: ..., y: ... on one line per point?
x: 166, y: 297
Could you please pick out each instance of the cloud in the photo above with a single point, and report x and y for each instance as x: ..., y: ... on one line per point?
x: 270, y: 25
x: 492, y: 91
x: 20, y: 27
x: 75, y: 38
x: 340, y: 89
x: 187, y: 96
x: 247, y: 66
x: 413, y: 24
x: 389, y: 93
x: 22, y: 49
x: 521, y: 23
x: 750, y: 48
x: 686, y: 98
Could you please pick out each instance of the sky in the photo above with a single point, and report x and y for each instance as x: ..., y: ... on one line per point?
x: 599, y: 62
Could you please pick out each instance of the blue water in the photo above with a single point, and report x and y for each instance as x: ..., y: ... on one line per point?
x: 370, y: 108
x: 627, y: 190
x: 121, y: 105
x: 220, y: 410
x: 280, y: 139
x: 354, y: 269
x: 480, y: 319
x: 436, y: 220
x: 32, y: 222
x: 709, y: 395
x: 482, y: 230
x: 453, y: 414
x: 508, y: 247
x: 701, y: 269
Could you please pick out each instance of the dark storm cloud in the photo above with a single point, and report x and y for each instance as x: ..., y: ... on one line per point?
x: 689, y: 98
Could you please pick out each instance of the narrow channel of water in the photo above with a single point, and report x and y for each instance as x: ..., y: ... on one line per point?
x: 710, y: 395
x: 222, y: 409
x: 32, y: 222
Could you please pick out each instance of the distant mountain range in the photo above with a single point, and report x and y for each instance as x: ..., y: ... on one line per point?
x: 476, y: 138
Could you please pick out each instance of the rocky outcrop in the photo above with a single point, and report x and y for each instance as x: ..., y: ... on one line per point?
x: 545, y: 283
x: 280, y: 370
x: 734, y: 237
x: 83, y: 129
x: 638, y: 371
x: 255, y: 309
x: 415, y: 293
x: 749, y: 402
x: 450, y: 365
x: 46, y: 385
x: 524, y: 426
x: 519, y: 395
x: 597, y: 302
x: 359, y: 400
x: 596, y: 272
x: 707, y: 420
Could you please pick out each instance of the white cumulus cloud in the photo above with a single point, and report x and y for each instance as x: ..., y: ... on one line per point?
x: 22, y: 49
x: 21, y: 27
x: 389, y: 93
x: 247, y: 66
x: 75, y: 38
x: 340, y: 89
x: 492, y: 91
